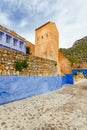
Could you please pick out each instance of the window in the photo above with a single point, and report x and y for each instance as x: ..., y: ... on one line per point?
x: 7, y: 40
x: 46, y: 35
x: 42, y: 37
x: 0, y: 37
x: 28, y: 50
x: 8, y: 37
x: 1, y: 34
x: 21, y: 44
x: 15, y: 41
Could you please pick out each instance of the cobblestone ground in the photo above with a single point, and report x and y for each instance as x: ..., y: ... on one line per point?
x: 64, y: 109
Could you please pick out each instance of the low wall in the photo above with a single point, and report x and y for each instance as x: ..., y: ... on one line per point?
x: 80, y: 65
x: 18, y: 87
x: 36, y: 66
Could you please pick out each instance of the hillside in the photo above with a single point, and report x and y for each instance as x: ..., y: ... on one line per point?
x: 77, y: 54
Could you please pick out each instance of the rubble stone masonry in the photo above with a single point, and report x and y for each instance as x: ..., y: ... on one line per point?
x: 36, y: 66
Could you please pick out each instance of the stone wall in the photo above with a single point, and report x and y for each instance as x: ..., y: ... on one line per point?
x: 36, y: 66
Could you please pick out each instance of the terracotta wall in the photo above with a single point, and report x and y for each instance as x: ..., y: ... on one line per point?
x: 65, y: 64
x: 32, y: 47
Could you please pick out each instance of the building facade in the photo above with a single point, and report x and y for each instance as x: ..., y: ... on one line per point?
x: 9, y: 39
x: 46, y: 45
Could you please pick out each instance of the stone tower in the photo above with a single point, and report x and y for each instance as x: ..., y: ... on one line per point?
x: 47, y: 46
x: 47, y: 41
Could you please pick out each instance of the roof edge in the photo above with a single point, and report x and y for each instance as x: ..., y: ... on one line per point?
x: 12, y: 32
x: 43, y: 25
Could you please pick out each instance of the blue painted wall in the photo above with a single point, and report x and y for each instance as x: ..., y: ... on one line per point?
x: 11, y: 45
x: 68, y: 78
x: 84, y: 71
x: 19, y: 87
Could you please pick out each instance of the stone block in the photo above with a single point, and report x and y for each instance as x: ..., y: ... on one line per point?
x: 1, y: 67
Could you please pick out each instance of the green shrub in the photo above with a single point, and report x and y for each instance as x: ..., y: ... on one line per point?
x: 20, y: 65
x: 74, y: 60
x: 24, y: 64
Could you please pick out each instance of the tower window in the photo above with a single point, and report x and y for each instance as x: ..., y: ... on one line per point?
x: 46, y: 35
x: 42, y: 37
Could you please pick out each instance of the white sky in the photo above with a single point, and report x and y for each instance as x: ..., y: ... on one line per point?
x: 24, y: 16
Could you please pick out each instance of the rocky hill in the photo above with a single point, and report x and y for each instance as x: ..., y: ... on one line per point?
x: 77, y: 54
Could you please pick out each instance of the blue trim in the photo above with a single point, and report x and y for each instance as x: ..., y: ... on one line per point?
x: 8, y: 36
x: 2, y: 46
x: 84, y: 71
x: 1, y: 33
x: 21, y: 42
x: 5, y: 47
x: 15, y: 39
